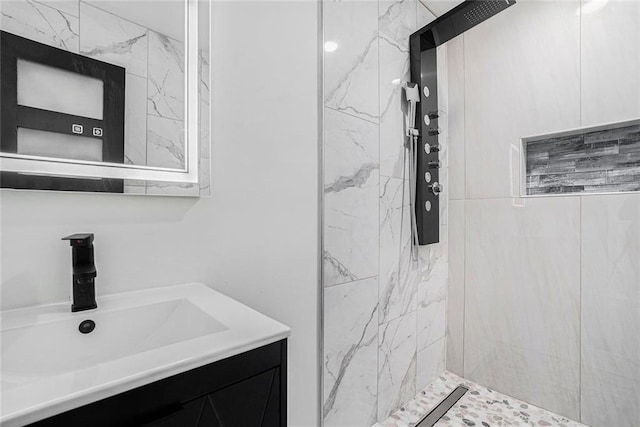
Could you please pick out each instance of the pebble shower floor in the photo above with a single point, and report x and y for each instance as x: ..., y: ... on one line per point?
x: 480, y: 406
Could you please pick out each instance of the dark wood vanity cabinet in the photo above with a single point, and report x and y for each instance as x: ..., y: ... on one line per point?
x: 247, y: 390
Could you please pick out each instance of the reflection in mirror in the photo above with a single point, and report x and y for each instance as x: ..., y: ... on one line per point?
x: 49, y: 88
x: 69, y: 56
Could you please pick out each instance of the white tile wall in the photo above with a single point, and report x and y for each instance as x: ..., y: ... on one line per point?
x: 430, y: 363
x: 522, y: 299
x: 456, y: 294
x: 67, y: 6
x: 610, y: 310
x: 396, y: 364
x: 350, y: 354
x: 135, y: 120
x: 394, y: 69
x: 41, y: 23
x: 166, y: 77
x: 440, y: 7
x: 522, y: 77
x: 108, y: 38
x: 610, y: 55
x: 363, y: 138
x: 351, y: 198
x: 456, y: 95
x: 351, y: 72
x: 547, y: 286
x: 398, y: 281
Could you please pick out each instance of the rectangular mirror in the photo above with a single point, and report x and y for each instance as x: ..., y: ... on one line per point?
x: 105, y: 95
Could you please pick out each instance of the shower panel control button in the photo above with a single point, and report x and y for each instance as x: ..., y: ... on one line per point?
x: 433, y: 114
x: 435, y: 147
x: 78, y: 129
x: 427, y: 206
x: 436, y: 188
x: 427, y: 148
x: 435, y: 165
x: 427, y: 176
x: 433, y: 132
x: 97, y: 131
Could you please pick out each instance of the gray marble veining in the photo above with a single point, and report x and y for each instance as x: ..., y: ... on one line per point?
x: 351, y: 198
x: 351, y: 71
x: 41, y: 23
x: 398, y: 279
x: 135, y: 120
x: 367, y: 221
x: 165, y: 143
x: 111, y: 39
x: 397, y: 19
x: 350, y: 353
x: 397, y: 361
x: 166, y: 77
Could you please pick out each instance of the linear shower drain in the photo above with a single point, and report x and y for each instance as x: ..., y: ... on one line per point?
x: 438, y: 412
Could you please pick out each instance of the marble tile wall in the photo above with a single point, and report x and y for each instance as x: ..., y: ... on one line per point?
x: 384, y: 312
x: 154, y: 63
x: 543, y: 297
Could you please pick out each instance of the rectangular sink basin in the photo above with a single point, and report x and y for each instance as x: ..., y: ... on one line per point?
x: 48, y: 366
x: 117, y: 334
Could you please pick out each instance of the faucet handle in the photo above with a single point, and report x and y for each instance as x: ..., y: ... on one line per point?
x: 80, y: 239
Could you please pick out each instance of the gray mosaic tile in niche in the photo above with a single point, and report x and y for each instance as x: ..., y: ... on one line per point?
x: 597, y: 160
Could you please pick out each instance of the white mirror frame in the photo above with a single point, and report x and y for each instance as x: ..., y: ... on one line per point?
x: 11, y: 162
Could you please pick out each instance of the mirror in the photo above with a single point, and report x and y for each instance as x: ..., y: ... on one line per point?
x: 105, y: 95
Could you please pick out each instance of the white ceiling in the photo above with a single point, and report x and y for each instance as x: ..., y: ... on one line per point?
x: 440, y: 7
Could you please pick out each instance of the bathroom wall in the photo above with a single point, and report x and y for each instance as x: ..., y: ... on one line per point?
x: 384, y: 314
x: 544, y: 292
x: 255, y: 239
x: 154, y: 79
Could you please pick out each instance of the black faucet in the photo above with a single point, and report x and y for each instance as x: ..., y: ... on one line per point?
x: 84, y: 272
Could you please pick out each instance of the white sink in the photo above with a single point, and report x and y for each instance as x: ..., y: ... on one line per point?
x: 118, y: 333
x: 48, y: 366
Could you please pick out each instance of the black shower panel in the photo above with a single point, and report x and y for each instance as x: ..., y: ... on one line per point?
x: 429, y: 163
x: 424, y: 66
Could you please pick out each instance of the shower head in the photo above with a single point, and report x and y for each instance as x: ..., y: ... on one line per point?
x: 482, y: 10
x: 458, y: 20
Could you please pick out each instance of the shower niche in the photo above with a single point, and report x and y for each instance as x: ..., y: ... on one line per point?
x: 422, y: 48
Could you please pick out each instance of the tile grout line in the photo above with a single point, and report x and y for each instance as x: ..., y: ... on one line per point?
x: 321, y: 318
x: 377, y: 376
x: 402, y: 207
x: 580, y: 231
x: 464, y: 203
x: 362, y: 279
x: 353, y: 115
x: 580, y: 317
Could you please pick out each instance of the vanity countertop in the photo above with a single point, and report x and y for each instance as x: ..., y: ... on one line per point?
x: 49, y: 367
